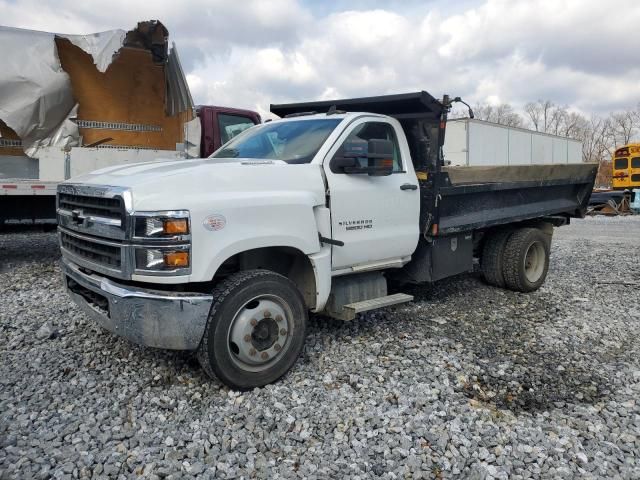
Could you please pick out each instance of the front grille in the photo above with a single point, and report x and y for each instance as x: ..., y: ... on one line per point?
x: 99, y: 253
x: 100, y: 206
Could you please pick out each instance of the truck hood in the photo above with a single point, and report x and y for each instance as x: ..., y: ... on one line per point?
x: 174, y: 184
x: 137, y: 173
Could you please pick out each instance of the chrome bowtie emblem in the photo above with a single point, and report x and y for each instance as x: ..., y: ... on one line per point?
x: 76, y: 217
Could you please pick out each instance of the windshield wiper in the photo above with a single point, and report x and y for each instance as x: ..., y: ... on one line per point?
x: 227, y: 153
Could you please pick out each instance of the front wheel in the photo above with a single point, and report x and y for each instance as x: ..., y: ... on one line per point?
x: 255, y: 330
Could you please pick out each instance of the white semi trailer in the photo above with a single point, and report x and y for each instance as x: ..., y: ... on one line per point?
x: 478, y: 143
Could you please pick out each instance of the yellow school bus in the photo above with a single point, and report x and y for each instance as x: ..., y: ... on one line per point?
x: 626, y: 167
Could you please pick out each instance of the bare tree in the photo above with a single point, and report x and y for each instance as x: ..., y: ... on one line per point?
x: 596, y: 140
x: 502, y: 114
x: 574, y: 125
x: 506, y: 115
x: 539, y: 114
x: 545, y: 116
x: 625, y: 126
x: 558, y: 117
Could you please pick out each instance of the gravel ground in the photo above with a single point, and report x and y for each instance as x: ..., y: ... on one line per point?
x: 467, y: 382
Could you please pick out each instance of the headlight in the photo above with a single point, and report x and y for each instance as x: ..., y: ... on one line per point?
x: 162, y: 259
x: 162, y: 224
x: 162, y: 242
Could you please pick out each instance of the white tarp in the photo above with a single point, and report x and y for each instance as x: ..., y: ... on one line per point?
x: 192, y: 133
x: 64, y: 135
x: 101, y: 46
x: 36, y: 100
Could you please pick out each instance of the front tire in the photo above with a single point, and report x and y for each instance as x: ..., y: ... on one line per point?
x: 255, y: 331
x: 526, y: 260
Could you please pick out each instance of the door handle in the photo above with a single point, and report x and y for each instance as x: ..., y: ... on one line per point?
x: 408, y: 186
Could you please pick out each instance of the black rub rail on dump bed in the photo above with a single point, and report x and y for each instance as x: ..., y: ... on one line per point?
x: 465, y: 202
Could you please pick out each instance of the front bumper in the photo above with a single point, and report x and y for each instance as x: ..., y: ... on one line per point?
x: 161, y: 319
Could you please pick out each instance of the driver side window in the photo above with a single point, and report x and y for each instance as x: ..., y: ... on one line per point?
x: 376, y: 130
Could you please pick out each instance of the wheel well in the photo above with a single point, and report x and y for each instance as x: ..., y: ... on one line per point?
x: 481, y: 236
x: 286, y: 261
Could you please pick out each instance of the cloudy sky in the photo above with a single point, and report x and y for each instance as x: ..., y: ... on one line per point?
x: 249, y: 53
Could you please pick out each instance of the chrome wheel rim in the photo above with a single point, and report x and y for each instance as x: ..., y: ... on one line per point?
x: 260, y: 333
x: 534, y: 261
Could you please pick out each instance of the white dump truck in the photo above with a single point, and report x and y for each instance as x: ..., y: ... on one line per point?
x: 316, y: 212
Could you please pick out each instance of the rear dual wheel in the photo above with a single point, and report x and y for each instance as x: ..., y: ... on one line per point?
x: 526, y: 260
x: 517, y: 260
x: 255, y: 331
x: 492, y: 256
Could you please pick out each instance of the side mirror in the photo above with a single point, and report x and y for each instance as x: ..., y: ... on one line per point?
x: 380, y: 157
x: 377, y: 152
x: 340, y: 164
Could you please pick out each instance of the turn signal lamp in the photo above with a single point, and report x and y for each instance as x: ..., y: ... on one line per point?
x: 159, y: 226
x: 176, y: 259
x: 160, y: 260
x: 175, y: 226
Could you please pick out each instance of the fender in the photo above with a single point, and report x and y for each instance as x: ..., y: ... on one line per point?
x: 300, y: 235
x: 252, y: 244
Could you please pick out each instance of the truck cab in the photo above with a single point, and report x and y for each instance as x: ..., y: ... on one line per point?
x: 315, y: 212
x: 221, y: 124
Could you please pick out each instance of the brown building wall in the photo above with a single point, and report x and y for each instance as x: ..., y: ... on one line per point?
x: 132, y: 91
x: 8, y: 134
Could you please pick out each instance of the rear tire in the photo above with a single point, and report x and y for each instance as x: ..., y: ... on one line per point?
x: 255, y: 331
x: 526, y: 260
x: 492, y: 257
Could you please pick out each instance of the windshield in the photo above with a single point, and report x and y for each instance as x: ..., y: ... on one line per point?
x: 295, y: 141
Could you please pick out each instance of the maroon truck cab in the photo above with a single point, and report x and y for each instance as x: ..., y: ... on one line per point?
x: 221, y: 124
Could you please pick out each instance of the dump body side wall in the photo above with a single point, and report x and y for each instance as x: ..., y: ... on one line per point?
x: 470, y: 200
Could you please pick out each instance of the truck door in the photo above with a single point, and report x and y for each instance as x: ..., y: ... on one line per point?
x: 375, y: 216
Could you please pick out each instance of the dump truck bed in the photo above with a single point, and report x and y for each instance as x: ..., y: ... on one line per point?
x: 481, y: 197
x: 466, y: 198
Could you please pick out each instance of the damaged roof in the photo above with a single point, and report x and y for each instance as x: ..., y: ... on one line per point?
x: 36, y: 97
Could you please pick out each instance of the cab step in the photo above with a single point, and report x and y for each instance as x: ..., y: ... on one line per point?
x: 352, y: 309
